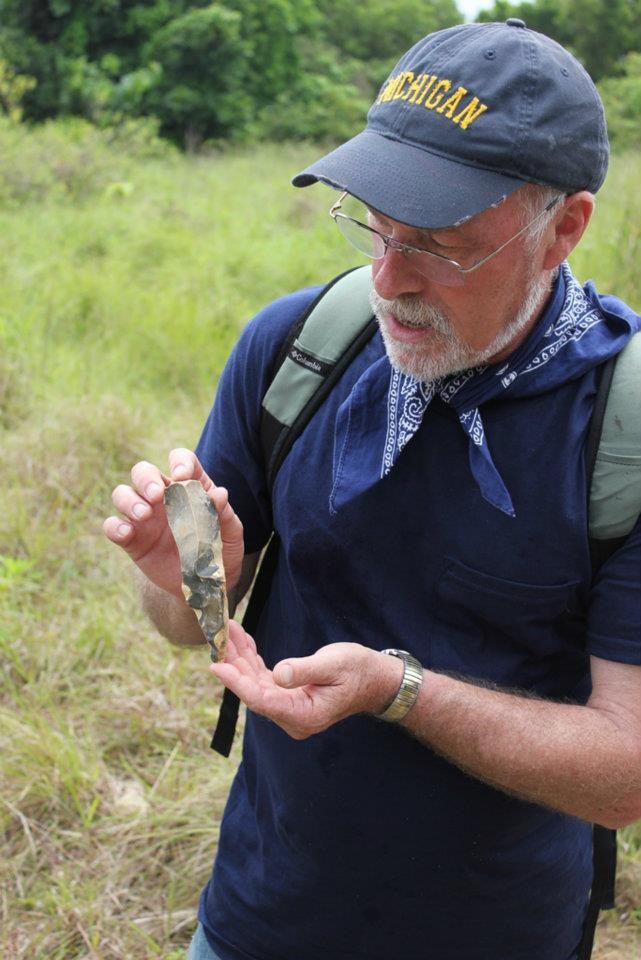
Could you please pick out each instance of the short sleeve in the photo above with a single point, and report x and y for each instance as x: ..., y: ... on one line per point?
x: 229, y: 446
x: 614, y: 621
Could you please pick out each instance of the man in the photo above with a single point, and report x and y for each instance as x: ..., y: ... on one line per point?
x: 435, y: 800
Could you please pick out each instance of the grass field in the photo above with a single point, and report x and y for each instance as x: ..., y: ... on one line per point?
x: 126, y: 272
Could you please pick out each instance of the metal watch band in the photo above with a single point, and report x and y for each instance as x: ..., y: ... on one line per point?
x: 409, y: 689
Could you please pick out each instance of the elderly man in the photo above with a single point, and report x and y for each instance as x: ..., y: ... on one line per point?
x: 444, y: 698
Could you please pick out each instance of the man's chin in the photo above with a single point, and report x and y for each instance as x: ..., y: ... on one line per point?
x: 412, y: 363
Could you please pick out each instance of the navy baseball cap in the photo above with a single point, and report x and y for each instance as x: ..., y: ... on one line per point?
x: 467, y: 116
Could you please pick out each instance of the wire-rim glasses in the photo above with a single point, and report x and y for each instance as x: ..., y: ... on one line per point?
x: 434, y: 266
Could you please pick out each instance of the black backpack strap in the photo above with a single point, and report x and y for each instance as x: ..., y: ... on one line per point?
x: 317, y: 350
x: 595, y: 429
x: 223, y: 737
x: 604, y: 859
x: 604, y: 841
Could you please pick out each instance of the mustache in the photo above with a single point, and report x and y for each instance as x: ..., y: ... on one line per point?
x: 410, y: 309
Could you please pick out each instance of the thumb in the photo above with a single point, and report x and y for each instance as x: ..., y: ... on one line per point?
x: 298, y: 671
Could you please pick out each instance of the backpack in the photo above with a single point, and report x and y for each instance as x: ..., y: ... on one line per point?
x: 318, y: 349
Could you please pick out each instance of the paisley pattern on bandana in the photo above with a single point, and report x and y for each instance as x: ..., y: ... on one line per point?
x: 408, y: 400
x: 552, y: 354
x: 576, y: 319
x: 473, y: 425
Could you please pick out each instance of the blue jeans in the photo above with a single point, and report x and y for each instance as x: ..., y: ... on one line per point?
x: 199, y: 949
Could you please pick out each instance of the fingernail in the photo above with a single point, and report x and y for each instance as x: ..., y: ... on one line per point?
x: 124, y: 530
x: 140, y: 510
x: 180, y: 468
x: 286, y: 675
x: 153, y: 490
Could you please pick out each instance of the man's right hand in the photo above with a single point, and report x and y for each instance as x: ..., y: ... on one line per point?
x: 142, y: 529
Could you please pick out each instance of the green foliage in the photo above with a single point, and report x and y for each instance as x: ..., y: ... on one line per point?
x: 272, y: 30
x: 622, y: 100
x: 13, y: 87
x: 231, y: 69
x: 326, y: 103
x: 242, y: 69
x: 379, y: 30
x: 71, y: 159
x: 546, y: 16
x: 26, y: 56
x: 120, y: 297
x: 599, y: 32
x: 117, y: 309
x: 199, y: 53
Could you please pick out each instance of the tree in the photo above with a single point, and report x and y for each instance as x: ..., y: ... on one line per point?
x: 622, y: 100
x: 202, y: 61
x: 545, y: 16
x: 12, y: 90
x: 379, y: 30
x: 599, y: 32
x: 273, y: 31
x: 63, y: 43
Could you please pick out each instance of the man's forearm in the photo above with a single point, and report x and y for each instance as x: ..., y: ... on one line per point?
x: 576, y: 759
x: 171, y: 615
x: 582, y: 760
x: 245, y: 580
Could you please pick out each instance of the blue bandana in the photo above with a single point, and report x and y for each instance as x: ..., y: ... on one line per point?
x: 385, y: 408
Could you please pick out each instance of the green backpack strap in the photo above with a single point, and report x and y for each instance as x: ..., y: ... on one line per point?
x: 615, y: 487
x: 318, y: 349
x: 613, y: 464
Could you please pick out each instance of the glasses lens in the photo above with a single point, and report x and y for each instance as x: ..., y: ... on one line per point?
x: 371, y: 243
x: 436, y: 268
x: 360, y: 237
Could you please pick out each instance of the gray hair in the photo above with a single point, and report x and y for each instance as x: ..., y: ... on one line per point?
x: 535, y: 198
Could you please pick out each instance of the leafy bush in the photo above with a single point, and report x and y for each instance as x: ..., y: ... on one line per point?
x: 71, y: 158
x: 328, y: 103
x: 379, y: 30
x: 622, y: 100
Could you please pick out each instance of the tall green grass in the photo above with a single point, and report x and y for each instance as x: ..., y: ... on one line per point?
x: 126, y: 272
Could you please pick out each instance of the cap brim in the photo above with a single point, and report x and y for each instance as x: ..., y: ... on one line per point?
x: 409, y: 184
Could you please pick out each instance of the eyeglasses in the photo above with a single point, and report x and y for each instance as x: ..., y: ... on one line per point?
x: 431, y: 265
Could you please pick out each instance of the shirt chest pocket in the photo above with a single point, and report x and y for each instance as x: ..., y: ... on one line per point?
x: 509, y: 632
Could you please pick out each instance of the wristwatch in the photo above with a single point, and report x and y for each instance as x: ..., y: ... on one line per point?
x: 409, y: 689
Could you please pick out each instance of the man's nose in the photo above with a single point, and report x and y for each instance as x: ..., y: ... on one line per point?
x: 393, y: 275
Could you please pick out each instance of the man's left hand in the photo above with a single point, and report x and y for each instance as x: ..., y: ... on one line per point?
x: 305, y: 695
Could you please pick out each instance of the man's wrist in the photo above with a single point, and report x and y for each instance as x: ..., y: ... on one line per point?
x: 408, y: 690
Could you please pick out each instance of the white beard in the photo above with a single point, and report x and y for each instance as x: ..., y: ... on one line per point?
x: 446, y: 353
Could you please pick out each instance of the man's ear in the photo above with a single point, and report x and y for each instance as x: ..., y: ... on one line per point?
x: 568, y: 227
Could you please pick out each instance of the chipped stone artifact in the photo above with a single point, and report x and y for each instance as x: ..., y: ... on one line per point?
x: 194, y: 523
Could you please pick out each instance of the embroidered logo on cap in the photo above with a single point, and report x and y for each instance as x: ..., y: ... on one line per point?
x: 429, y: 90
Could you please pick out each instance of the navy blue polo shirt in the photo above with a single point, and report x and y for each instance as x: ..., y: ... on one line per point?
x: 359, y: 843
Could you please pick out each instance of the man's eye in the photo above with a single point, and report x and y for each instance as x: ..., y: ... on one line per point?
x: 439, y: 244
x: 377, y: 223
x: 451, y: 250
